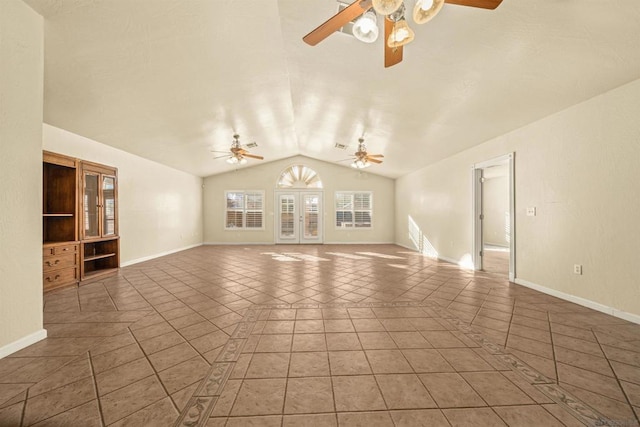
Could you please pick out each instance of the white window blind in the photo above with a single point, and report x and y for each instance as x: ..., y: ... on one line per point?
x: 354, y: 209
x: 244, y: 210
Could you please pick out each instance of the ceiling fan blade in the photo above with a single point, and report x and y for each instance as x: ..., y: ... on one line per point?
x: 375, y: 155
x: 216, y: 151
x: 252, y: 156
x: 222, y: 157
x: 484, y: 4
x: 369, y: 159
x: 338, y: 20
x: 392, y: 56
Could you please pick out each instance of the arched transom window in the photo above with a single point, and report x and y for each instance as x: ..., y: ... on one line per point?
x: 299, y: 176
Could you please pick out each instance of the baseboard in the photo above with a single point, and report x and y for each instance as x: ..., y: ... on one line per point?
x: 413, y: 249
x: 439, y: 258
x: 497, y: 245
x: 23, y: 342
x: 406, y: 247
x: 273, y: 243
x: 238, y: 243
x: 580, y: 301
x: 451, y: 260
x: 359, y: 243
x: 150, y: 257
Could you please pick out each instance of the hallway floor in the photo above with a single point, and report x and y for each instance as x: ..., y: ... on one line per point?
x: 326, y: 335
x: 496, y: 260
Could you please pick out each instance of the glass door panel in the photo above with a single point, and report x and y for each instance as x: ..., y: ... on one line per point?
x: 311, y: 210
x: 91, y: 202
x: 311, y: 206
x: 108, y: 206
x: 287, y: 217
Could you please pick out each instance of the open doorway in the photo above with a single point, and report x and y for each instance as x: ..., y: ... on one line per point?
x: 494, y: 239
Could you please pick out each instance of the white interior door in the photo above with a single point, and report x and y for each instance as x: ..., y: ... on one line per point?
x: 299, y: 217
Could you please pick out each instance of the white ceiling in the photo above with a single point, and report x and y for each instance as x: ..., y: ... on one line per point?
x: 170, y: 80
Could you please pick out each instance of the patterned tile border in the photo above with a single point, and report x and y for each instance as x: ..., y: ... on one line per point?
x: 199, y: 407
x: 548, y: 387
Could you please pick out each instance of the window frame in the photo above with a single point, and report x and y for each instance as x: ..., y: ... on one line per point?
x: 245, y: 210
x: 353, y: 210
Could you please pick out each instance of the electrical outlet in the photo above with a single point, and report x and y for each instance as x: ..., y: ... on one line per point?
x: 531, y: 211
x: 577, y: 269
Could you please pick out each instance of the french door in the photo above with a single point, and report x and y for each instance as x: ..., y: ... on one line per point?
x: 299, y: 217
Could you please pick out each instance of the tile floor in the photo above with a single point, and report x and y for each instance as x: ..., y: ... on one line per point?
x: 496, y: 260
x: 319, y: 335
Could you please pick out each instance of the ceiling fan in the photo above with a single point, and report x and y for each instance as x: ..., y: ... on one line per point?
x: 362, y: 159
x: 396, y: 30
x: 236, y: 154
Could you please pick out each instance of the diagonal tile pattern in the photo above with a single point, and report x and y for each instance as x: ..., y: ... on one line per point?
x: 319, y: 335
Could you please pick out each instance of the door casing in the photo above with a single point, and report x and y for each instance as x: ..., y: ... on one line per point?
x: 476, y: 173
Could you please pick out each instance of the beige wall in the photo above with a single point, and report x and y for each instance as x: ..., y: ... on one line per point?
x: 160, y: 209
x: 21, y: 73
x: 579, y: 168
x: 495, y: 207
x: 265, y: 176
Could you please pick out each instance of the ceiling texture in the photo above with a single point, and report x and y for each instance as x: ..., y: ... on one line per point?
x: 171, y: 80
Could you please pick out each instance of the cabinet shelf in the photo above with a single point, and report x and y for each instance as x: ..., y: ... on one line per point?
x: 95, y: 257
x: 97, y: 273
x: 60, y: 250
x: 99, y: 257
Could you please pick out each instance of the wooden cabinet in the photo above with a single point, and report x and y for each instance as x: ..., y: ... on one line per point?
x: 59, y: 221
x: 79, y: 220
x: 99, y: 224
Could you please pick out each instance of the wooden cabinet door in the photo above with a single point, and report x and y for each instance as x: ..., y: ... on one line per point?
x: 98, y: 201
x: 108, y: 207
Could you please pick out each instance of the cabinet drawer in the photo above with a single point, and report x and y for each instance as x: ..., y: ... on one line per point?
x: 59, y: 277
x: 51, y: 263
x: 48, y: 251
x: 65, y: 249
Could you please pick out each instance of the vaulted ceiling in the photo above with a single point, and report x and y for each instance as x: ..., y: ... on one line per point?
x: 171, y: 80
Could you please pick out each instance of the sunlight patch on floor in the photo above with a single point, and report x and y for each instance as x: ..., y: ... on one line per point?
x: 347, y: 256
x: 377, y: 255
x: 280, y: 257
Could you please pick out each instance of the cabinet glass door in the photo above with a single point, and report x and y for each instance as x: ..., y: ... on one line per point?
x: 108, y: 206
x: 91, y: 202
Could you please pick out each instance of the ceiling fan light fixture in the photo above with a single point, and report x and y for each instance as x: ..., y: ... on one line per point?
x: 425, y: 10
x: 365, y: 28
x: 360, y: 164
x: 232, y: 160
x: 386, y: 7
x: 242, y: 161
x: 400, y: 35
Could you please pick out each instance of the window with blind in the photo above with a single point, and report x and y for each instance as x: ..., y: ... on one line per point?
x: 354, y: 209
x: 244, y: 210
